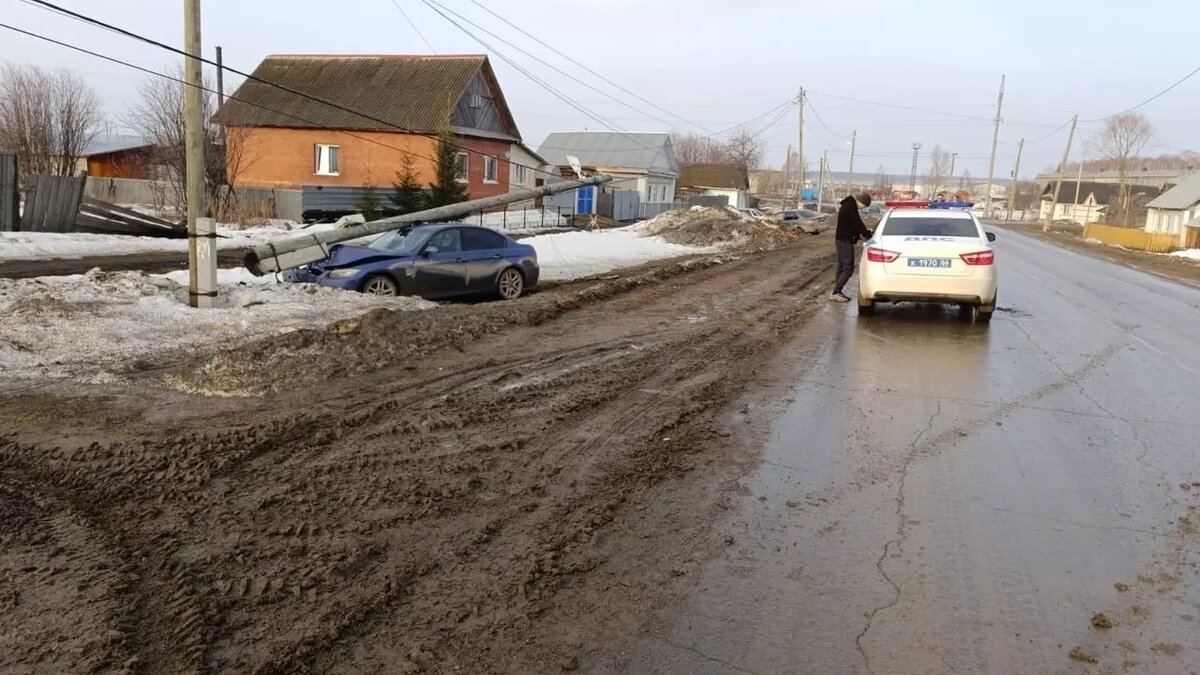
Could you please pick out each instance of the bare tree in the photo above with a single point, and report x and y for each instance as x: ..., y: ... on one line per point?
x: 939, y: 168
x: 692, y: 149
x: 47, y: 117
x: 1122, y: 141
x: 964, y: 180
x: 744, y: 150
x: 159, y: 117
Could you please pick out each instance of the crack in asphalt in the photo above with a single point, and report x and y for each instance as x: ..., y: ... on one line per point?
x: 1142, y: 457
x: 1076, y: 523
x: 711, y: 659
x: 901, y: 534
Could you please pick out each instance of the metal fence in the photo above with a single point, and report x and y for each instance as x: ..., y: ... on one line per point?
x: 650, y: 210
x: 523, y: 219
x: 286, y: 204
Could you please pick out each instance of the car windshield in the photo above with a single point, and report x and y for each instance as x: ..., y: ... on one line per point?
x: 395, y: 241
x: 930, y: 227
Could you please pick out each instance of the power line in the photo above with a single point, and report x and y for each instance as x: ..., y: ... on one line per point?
x: 585, y: 68
x: 1160, y: 94
x: 49, y: 6
x: 549, y: 65
x: 233, y: 97
x: 928, y: 111
x: 414, y: 26
x: 818, y: 116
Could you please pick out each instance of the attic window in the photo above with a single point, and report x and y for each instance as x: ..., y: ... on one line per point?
x: 475, y: 101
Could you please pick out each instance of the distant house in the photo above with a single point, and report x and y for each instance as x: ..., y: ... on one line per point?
x: 384, y: 107
x: 715, y: 180
x: 1177, y: 212
x: 643, y: 162
x: 116, y: 156
x: 1081, y: 202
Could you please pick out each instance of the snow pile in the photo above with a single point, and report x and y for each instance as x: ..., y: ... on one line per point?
x: 93, y: 326
x: 1188, y: 254
x: 573, y: 255
x: 43, y: 245
x: 701, y: 225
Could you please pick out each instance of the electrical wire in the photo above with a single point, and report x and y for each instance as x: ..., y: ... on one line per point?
x: 414, y: 26
x: 44, y: 4
x: 1160, y: 94
x: 818, y: 116
x: 585, y: 68
x: 229, y: 97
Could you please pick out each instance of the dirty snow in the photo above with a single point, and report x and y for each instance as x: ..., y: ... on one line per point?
x: 43, y: 245
x: 95, y: 326
x: 1189, y: 254
x: 574, y: 255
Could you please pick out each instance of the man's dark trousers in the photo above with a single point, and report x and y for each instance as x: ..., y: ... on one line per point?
x: 845, y: 264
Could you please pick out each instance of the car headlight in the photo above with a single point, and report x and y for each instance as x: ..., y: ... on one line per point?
x: 343, y: 273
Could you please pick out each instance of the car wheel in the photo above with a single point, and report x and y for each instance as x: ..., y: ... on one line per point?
x: 511, y: 284
x: 381, y: 284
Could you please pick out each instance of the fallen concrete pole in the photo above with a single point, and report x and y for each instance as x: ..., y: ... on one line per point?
x: 275, y: 256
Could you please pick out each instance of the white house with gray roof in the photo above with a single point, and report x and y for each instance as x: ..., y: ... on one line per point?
x: 644, y: 162
x: 1177, y: 210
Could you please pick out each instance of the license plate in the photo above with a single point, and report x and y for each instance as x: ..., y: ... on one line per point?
x: 939, y: 263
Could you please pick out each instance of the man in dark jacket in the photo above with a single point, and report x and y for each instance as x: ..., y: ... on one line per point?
x: 850, y: 228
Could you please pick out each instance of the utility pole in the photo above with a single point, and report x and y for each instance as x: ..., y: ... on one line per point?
x: 995, y: 139
x: 821, y: 184
x: 1058, y: 180
x: 800, y: 151
x: 913, y: 176
x: 220, y: 79
x: 953, y: 160
x: 1016, y: 178
x: 202, y: 248
x: 787, y: 175
x: 853, y: 147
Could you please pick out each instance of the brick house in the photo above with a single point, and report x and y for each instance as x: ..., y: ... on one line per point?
x: 382, y: 107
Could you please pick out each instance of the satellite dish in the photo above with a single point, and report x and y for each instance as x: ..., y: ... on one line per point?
x: 574, y: 161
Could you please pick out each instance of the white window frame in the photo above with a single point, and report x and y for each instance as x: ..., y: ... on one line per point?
x: 321, y: 159
x: 475, y: 101
x: 491, y: 169
x: 520, y: 174
x: 465, y: 176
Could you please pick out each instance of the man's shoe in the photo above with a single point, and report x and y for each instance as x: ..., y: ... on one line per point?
x: 839, y: 297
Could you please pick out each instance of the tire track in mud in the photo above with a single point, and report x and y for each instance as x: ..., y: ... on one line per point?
x: 438, y: 510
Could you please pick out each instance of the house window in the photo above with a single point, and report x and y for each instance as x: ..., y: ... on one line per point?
x: 520, y: 174
x: 491, y: 169
x: 326, y: 160
x: 460, y: 167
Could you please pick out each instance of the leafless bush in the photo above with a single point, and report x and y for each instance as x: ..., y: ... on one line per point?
x: 47, y: 117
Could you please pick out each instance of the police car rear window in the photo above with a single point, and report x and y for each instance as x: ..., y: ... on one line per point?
x: 929, y: 227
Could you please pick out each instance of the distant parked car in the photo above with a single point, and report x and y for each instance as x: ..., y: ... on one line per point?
x: 437, y: 262
x: 753, y: 213
x: 799, y: 216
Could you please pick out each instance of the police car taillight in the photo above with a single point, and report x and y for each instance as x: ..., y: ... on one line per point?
x: 881, y: 255
x: 979, y: 258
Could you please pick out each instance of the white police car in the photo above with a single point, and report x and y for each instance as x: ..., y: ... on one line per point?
x: 924, y: 254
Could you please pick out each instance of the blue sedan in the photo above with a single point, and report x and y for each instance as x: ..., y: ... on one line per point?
x: 438, y: 261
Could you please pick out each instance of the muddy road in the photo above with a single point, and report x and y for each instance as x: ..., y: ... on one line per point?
x: 509, y: 487
x: 944, y: 498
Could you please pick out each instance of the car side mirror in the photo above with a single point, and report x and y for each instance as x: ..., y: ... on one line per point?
x: 429, y: 250
x: 991, y: 236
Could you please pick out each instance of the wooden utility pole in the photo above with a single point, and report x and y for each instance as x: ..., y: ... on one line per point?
x: 787, y: 175
x: 1058, y: 179
x: 1016, y: 178
x: 995, y: 139
x: 953, y: 160
x: 220, y: 79
x: 202, y: 258
x: 821, y: 183
x: 853, y: 147
x: 800, y: 151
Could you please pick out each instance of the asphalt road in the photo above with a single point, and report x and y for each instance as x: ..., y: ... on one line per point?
x: 940, y: 497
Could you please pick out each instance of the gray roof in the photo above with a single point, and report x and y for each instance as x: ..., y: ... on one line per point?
x: 106, y: 143
x: 1182, y: 196
x: 646, y: 151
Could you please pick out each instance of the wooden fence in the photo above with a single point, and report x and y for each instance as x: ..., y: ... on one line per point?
x: 52, y: 204
x: 10, y: 198
x: 1154, y: 242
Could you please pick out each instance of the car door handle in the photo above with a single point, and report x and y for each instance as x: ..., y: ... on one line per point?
x: 460, y: 260
x: 497, y: 256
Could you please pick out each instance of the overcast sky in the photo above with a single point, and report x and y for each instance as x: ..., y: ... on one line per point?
x: 718, y: 63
